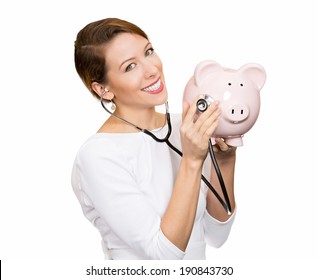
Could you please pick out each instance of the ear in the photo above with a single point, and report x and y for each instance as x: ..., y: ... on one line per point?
x: 204, y: 69
x: 255, y: 72
x: 100, y: 90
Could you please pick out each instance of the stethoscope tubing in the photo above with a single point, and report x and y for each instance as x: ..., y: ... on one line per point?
x: 226, y: 204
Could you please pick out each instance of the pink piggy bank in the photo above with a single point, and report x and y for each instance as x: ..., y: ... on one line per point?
x: 238, y: 92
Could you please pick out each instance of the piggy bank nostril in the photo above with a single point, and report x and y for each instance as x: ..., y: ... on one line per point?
x: 233, y: 111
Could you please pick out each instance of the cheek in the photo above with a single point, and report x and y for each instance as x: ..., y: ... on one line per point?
x: 131, y: 81
x: 126, y: 89
x: 124, y: 83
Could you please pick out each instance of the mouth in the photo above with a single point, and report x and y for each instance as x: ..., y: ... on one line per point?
x: 154, y: 88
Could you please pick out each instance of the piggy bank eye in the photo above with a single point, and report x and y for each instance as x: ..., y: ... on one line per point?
x: 241, y: 85
x: 229, y: 84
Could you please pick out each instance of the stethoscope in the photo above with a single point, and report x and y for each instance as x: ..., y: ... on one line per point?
x: 226, y: 204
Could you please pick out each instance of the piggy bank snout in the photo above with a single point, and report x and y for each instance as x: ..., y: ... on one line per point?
x: 237, y: 113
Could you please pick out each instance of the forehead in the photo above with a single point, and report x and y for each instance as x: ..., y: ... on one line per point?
x: 123, y: 47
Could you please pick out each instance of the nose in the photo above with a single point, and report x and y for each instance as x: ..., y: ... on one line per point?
x: 150, y: 69
x: 237, y: 113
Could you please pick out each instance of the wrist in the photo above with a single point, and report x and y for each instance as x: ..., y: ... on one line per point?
x: 192, y: 164
x: 226, y: 157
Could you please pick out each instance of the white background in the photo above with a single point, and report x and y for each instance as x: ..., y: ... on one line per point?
x: 46, y: 113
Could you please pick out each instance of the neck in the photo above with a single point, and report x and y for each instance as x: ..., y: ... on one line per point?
x: 144, y: 118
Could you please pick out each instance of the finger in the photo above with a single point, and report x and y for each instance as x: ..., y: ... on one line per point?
x: 216, y: 149
x: 209, y: 116
x: 206, y: 118
x: 222, y: 145
x: 210, y: 130
x: 210, y: 125
x: 189, y: 115
x: 208, y: 113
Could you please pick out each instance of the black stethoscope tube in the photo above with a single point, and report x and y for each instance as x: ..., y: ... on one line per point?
x: 226, y: 204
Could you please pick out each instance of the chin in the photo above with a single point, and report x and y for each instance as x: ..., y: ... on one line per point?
x: 162, y: 98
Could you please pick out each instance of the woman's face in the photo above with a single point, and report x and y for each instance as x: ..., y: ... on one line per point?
x: 134, y: 72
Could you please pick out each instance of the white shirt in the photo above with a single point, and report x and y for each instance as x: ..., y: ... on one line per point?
x: 124, y: 181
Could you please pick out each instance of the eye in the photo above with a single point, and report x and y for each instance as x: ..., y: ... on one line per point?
x: 241, y: 85
x: 130, y: 67
x: 229, y: 84
x: 150, y: 51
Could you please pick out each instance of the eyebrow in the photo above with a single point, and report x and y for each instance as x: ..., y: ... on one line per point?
x: 131, y: 58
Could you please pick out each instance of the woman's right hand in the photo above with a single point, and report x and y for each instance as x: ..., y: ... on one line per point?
x: 196, y: 131
x: 178, y: 220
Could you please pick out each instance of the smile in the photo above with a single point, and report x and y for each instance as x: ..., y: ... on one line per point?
x: 154, y: 88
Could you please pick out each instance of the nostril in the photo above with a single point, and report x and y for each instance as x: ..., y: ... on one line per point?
x: 242, y: 112
x: 232, y: 111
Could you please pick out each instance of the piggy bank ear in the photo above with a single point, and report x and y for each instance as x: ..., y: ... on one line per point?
x: 204, y: 69
x: 255, y: 72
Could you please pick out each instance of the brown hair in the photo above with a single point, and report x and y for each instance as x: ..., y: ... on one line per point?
x: 89, y: 55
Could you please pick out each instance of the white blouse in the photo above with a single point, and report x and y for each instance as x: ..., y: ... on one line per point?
x: 124, y: 181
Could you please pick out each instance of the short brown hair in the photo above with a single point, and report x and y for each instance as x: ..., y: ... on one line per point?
x: 89, y: 56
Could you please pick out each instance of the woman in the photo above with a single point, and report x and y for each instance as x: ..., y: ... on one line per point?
x: 146, y: 200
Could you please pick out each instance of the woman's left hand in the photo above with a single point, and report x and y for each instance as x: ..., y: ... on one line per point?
x: 222, y: 150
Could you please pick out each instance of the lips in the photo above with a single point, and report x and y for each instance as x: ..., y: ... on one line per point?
x: 154, y: 88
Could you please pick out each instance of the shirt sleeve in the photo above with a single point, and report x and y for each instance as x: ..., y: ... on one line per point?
x: 111, y: 190
x: 216, y: 232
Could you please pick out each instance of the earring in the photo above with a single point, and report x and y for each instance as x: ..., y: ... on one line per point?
x: 113, y: 107
x: 105, y: 91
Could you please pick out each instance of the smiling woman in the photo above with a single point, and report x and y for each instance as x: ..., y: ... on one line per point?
x: 133, y: 70
x: 146, y: 200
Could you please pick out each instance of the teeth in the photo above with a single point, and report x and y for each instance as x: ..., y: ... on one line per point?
x: 153, y: 87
